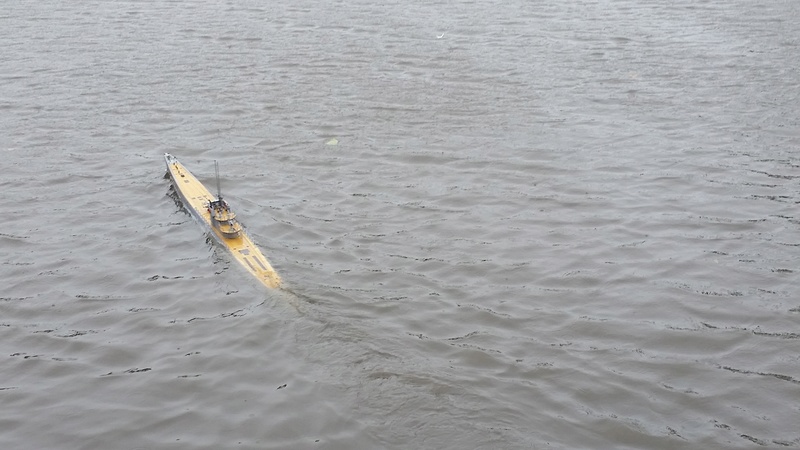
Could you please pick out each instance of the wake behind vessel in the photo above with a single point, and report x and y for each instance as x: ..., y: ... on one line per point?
x: 217, y: 215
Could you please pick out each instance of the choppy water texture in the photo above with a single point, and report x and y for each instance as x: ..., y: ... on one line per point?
x: 527, y: 224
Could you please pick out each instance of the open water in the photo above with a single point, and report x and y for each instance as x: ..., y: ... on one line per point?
x: 501, y: 225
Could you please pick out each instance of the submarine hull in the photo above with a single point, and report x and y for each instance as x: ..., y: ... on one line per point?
x: 196, y: 197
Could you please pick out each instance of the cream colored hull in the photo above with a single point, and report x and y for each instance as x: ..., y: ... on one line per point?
x: 195, y: 197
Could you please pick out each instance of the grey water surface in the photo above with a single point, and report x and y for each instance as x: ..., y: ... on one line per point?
x: 501, y: 225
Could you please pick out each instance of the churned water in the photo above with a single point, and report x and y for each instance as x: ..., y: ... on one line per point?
x: 501, y: 225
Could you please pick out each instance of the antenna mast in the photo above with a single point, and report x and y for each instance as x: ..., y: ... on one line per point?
x: 219, y: 189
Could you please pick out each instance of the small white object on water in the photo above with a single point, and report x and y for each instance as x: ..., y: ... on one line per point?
x: 441, y: 35
x: 332, y: 141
